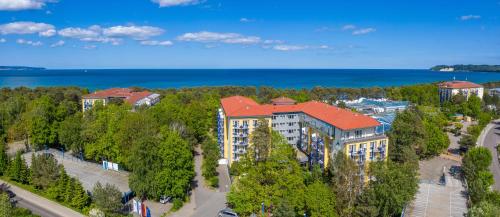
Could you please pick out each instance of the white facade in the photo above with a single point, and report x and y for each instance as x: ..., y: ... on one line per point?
x: 445, y: 94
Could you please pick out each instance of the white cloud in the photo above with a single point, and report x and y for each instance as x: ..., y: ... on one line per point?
x: 27, y: 42
x: 58, y: 44
x: 170, y: 3
x: 157, y: 43
x: 16, y: 5
x: 470, y: 17
x: 363, y: 31
x: 2, y: 40
x: 273, y: 41
x: 348, y: 27
x: 283, y: 47
x: 43, y: 29
x: 246, y: 20
x: 79, y: 33
x: 89, y: 47
x: 229, y: 38
x: 135, y: 32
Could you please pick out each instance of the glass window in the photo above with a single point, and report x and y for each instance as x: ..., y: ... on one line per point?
x: 235, y: 123
x: 255, y: 123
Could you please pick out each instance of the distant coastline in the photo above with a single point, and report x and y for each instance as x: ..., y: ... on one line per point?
x: 20, y: 68
x: 466, y: 68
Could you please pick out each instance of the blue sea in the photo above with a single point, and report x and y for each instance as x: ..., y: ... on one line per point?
x: 280, y: 78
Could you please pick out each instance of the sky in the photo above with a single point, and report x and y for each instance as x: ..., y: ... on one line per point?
x: 393, y: 34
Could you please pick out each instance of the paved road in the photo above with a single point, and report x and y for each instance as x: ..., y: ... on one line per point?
x: 205, y: 201
x: 39, y: 205
x: 489, y: 138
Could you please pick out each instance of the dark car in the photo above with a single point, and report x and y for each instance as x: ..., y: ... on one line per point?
x: 227, y: 213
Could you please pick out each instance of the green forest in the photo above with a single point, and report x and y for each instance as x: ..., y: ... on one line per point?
x: 156, y: 146
x: 469, y: 68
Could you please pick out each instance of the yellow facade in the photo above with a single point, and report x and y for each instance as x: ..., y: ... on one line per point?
x: 91, y: 102
x: 359, y: 145
x: 229, y: 133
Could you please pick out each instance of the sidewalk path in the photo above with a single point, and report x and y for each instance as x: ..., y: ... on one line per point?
x: 204, y: 201
x: 39, y: 205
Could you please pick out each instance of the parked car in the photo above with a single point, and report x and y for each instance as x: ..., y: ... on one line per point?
x: 165, y: 199
x: 227, y: 213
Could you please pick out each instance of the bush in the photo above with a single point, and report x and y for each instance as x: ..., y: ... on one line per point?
x: 213, y: 181
x: 177, y: 204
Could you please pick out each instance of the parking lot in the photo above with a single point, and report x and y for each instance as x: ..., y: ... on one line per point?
x: 88, y: 173
x: 435, y: 198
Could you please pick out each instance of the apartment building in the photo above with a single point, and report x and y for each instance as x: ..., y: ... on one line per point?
x: 451, y: 88
x: 134, y: 98
x: 317, y: 129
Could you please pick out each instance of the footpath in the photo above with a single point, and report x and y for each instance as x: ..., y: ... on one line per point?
x: 50, y: 208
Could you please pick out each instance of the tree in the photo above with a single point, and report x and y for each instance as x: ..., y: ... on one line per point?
x: 475, y: 165
x: 18, y: 170
x: 4, y: 159
x: 466, y: 142
x: 277, y: 180
x: 69, y: 190
x: 5, y: 206
x: 474, y: 106
x: 177, y: 166
x: 391, y: 188
x: 107, y: 198
x: 261, y: 141
x: 436, y: 139
x: 346, y: 182
x: 80, y: 196
x: 320, y: 200
x: 484, y: 209
x: 283, y: 209
x: 44, y: 170
x: 70, y: 133
x: 40, y: 122
x: 406, y: 137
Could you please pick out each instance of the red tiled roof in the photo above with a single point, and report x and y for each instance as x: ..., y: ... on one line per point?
x: 459, y: 84
x: 128, y: 94
x: 239, y: 106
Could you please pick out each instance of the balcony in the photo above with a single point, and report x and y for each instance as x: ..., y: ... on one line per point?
x: 363, y: 139
x: 242, y: 135
x: 244, y: 126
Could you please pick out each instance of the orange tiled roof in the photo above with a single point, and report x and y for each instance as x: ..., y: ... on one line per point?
x: 459, y: 84
x: 239, y: 106
x: 128, y: 94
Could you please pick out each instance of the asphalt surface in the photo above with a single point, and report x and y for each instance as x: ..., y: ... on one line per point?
x: 39, y: 205
x: 35, y: 209
x: 490, y: 138
x: 205, y: 202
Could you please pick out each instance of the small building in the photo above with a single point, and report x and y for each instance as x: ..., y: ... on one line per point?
x: 451, y: 88
x: 134, y: 98
x: 494, y: 92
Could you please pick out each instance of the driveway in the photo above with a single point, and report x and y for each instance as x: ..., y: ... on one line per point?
x: 204, y: 201
x: 489, y: 138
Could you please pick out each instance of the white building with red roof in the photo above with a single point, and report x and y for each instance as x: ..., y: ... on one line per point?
x: 129, y: 96
x: 315, y: 128
x: 451, y: 88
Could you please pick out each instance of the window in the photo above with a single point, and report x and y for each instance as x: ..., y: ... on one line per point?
x: 382, y: 143
x: 347, y: 135
x: 358, y: 133
x: 235, y: 123
x: 274, y: 125
x: 255, y: 123
x: 290, y: 131
x: 372, y: 145
x: 291, y: 116
x: 245, y: 123
x: 290, y: 124
x: 351, y: 148
x: 274, y: 117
